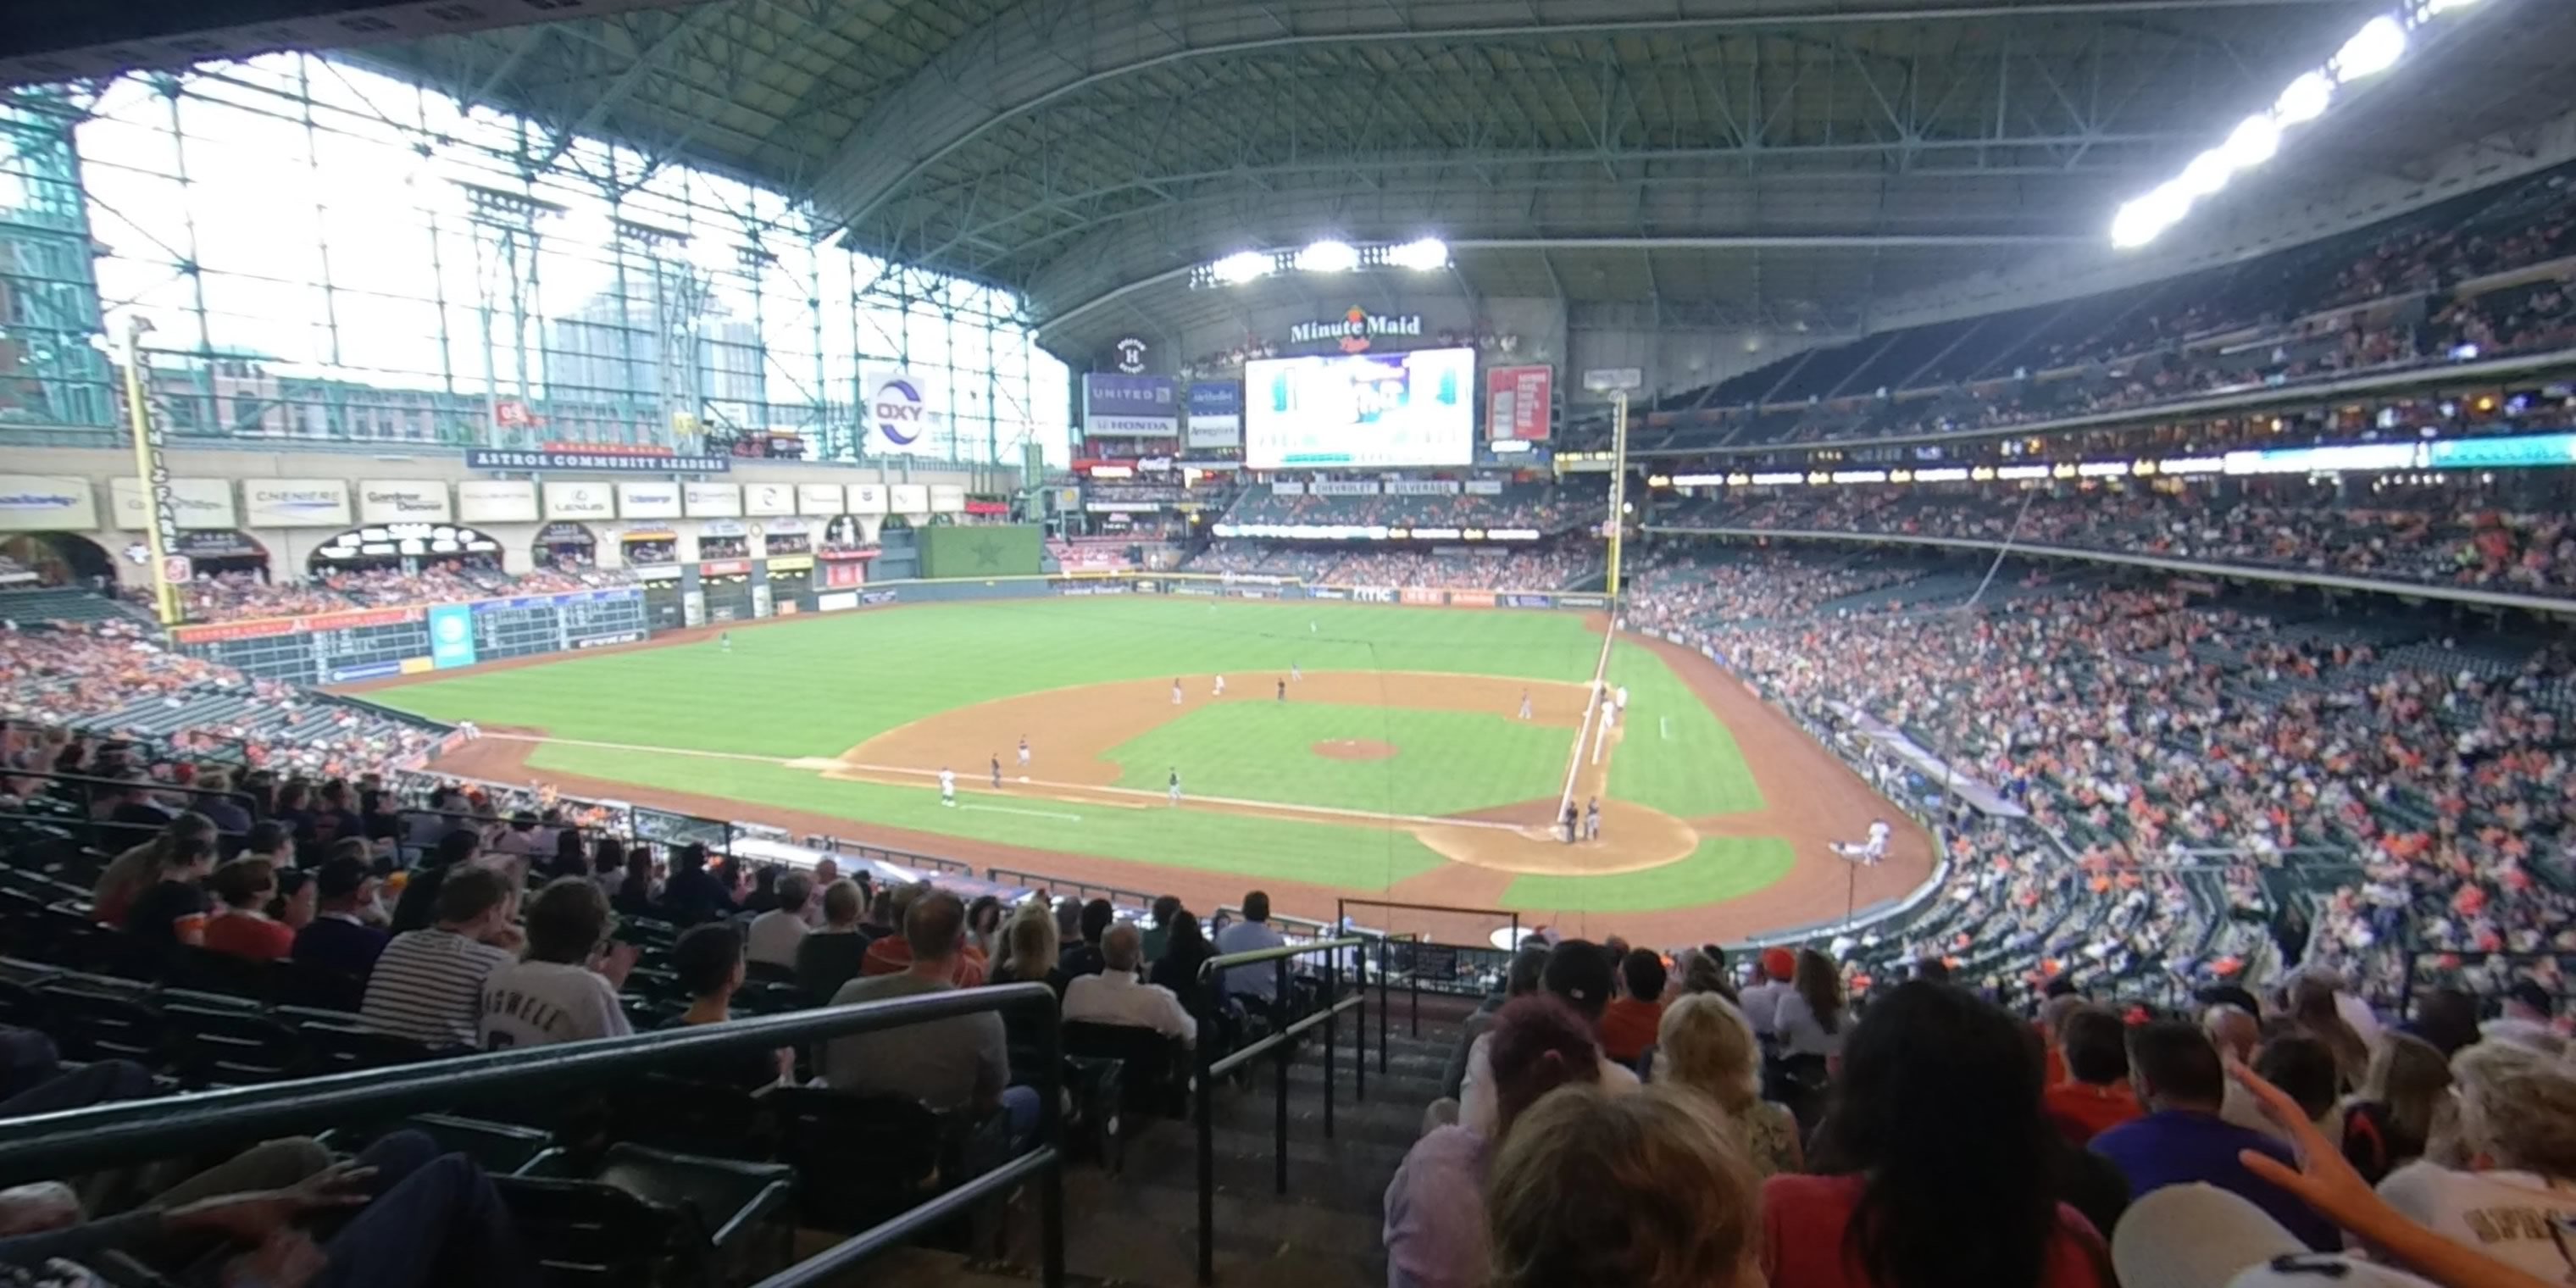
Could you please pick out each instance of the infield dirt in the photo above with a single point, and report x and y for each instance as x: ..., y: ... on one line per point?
x: 1810, y: 798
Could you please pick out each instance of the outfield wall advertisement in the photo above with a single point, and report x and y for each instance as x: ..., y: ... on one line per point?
x: 370, y: 644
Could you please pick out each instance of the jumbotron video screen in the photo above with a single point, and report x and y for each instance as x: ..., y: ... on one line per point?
x: 1360, y: 410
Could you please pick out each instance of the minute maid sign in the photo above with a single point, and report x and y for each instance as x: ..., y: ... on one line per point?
x: 1356, y: 330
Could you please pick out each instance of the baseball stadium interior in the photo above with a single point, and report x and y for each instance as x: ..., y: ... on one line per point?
x: 1663, y: 643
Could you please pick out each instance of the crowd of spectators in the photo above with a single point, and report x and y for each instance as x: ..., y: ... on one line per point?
x: 1778, y: 1129
x: 1548, y: 568
x: 2449, y: 533
x: 109, y: 680
x: 2143, y: 730
x: 242, y: 595
x: 1546, y: 507
x: 2377, y: 300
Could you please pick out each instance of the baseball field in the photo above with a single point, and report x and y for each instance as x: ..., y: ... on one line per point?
x: 1358, y: 750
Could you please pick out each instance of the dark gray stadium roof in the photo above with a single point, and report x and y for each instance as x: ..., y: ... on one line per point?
x: 1717, y: 162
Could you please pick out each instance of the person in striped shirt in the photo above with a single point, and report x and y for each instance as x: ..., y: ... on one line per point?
x: 428, y: 984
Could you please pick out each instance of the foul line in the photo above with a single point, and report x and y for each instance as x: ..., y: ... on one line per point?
x: 1032, y: 813
x: 1591, y: 703
x: 1141, y: 794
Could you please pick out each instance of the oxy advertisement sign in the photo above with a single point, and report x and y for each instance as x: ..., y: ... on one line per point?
x: 906, y: 412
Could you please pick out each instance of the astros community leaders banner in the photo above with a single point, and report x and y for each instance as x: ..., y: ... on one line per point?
x: 983, y: 550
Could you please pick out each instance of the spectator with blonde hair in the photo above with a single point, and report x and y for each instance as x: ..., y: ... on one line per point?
x: 2517, y: 1128
x: 1706, y: 1045
x: 1435, y: 1214
x: 1642, y: 1191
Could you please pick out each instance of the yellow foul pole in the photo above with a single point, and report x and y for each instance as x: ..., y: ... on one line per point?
x: 148, y: 466
x: 1618, y: 484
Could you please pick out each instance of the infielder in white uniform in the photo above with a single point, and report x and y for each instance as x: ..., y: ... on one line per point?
x: 1024, y: 751
x: 1623, y: 697
x: 1176, y: 693
x: 1220, y: 686
x: 947, y: 786
x: 1295, y: 675
x: 1525, y: 704
x: 1871, y: 850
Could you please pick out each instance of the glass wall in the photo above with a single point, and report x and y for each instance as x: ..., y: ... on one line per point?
x: 322, y: 252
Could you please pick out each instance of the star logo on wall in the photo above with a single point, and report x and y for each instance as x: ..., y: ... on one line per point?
x: 988, y: 553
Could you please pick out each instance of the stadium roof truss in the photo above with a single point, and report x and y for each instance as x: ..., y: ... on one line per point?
x: 1686, y: 162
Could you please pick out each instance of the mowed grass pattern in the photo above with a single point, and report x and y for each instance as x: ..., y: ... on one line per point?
x: 1446, y: 762
x: 1721, y: 868
x: 1365, y: 858
x: 821, y: 686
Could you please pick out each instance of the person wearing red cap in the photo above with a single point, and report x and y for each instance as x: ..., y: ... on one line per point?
x: 1772, y: 970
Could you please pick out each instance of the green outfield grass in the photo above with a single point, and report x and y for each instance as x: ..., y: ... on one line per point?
x: 1446, y: 762
x: 815, y: 688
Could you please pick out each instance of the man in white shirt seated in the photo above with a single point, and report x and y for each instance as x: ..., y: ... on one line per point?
x: 566, y: 989
x: 776, y: 933
x: 1115, y: 996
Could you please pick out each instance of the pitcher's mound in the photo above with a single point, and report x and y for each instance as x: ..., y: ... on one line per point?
x: 1353, y: 749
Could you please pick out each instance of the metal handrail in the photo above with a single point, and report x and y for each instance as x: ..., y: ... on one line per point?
x: 86, y: 1140
x: 1054, y: 884
x: 1283, y: 1043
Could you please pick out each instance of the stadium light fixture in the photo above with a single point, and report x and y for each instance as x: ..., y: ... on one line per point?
x: 1426, y: 255
x: 2252, y: 143
x: 1328, y: 257
x: 1242, y: 266
x: 2306, y: 99
x: 2376, y: 47
x: 2372, y: 50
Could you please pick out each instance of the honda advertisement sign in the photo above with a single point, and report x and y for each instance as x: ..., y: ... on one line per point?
x: 1115, y: 406
x: 1216, y: 416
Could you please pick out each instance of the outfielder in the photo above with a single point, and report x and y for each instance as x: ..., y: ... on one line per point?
x: 724, y: 642
x: 947, y: 786
x: 1870, y: 851
x: 1175, y: 790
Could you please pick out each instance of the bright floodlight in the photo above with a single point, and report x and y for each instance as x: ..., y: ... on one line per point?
x: 2305, y: 100
x: 2206, y: 174
x: 2436, y: 8
x: 2253, y: 143
x: 2373, y: 49
x: 1328, y: 257
x: 1427, y: 254
x: 1240, y: 267
x: 2145, y: 219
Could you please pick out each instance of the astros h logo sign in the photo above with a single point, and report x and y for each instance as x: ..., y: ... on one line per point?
x: 900, y: 412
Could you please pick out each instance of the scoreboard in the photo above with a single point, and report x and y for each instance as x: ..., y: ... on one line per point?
x: 367, y: 644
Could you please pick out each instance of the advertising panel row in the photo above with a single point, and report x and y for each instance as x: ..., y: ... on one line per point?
x: 1275, y: 588
x: 34, y: 503
x: 367, y: 644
